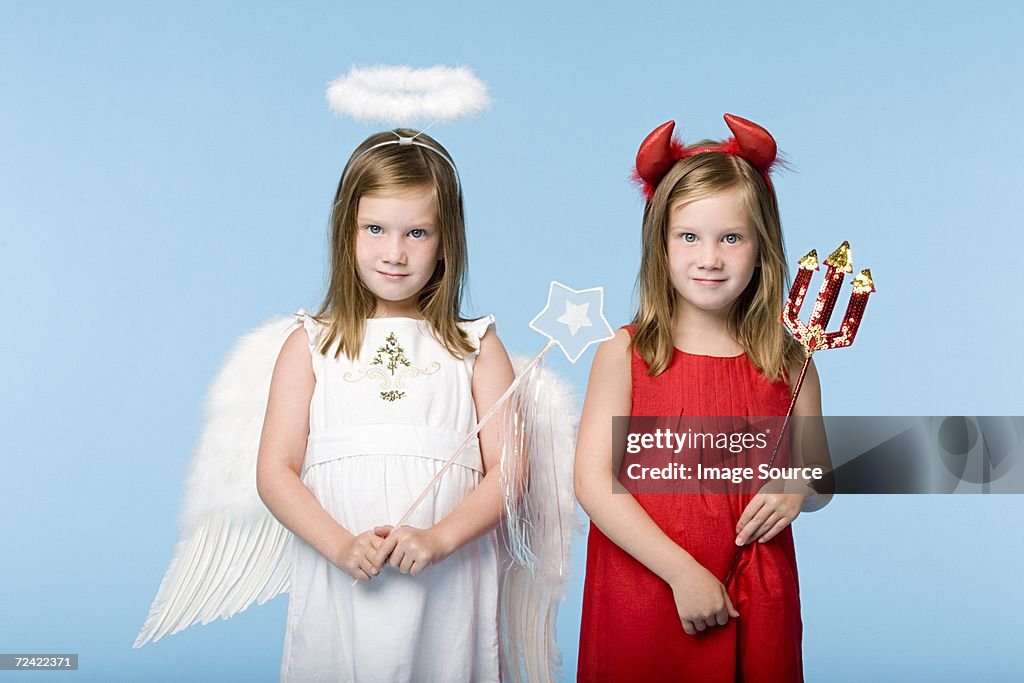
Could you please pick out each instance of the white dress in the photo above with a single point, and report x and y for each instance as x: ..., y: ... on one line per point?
x: 380, y: 428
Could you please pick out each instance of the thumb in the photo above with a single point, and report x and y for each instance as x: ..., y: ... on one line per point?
x: 728, y: 603
x: 383, y: 531
x: 384, y: 551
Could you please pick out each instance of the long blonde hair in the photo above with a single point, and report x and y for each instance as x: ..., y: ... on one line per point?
x: 754, y: 318
x: 395, y: 168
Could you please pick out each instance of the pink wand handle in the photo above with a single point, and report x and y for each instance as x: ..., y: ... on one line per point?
x: 468, y: 440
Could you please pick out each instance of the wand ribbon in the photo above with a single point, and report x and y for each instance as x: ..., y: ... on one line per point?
x: 573, y: 320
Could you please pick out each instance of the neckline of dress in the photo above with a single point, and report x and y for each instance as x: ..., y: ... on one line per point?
x: 741, y: 354
x: 393, y: 318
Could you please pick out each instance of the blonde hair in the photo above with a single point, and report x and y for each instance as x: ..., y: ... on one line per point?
x: 395, y: 168
x: 754, y: 318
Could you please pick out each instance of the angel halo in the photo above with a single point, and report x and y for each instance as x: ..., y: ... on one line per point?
x: 404, y: 96
x: 232, y: 552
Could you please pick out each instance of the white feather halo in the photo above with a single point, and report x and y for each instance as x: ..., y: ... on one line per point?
x: 402, y: 95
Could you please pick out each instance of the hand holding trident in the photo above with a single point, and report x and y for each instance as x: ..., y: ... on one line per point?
x: 812, y: 336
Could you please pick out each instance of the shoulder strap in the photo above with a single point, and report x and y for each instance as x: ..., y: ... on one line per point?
x: 476, y: 329
x: 312, y: 327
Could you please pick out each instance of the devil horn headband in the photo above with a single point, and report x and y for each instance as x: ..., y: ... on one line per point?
x: 660, y: 151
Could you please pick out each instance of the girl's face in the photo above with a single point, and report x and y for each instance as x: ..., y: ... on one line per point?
x: 712, y: 251
x: 397, y: 248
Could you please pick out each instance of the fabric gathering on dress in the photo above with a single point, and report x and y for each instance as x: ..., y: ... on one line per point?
x: 381, y: 427
x: 630, y: 626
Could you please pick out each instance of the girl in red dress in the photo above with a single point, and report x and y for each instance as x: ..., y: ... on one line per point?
x: 706, y: 341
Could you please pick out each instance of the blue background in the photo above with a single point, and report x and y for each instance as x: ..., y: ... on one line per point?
x: 165, y: 178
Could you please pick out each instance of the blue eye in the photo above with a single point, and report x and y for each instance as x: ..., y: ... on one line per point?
x: 689, y: 237
x: 733, y: 238
x: 417, y: 233
x: 374, y: 229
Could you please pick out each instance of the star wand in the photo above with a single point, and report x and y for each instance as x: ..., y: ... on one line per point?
x: 567, y: 312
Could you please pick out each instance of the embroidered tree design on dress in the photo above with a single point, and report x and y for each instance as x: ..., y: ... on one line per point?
x: 395, y: 355
x: 391, y: 368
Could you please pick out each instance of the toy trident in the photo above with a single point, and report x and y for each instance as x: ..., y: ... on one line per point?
x: 812, y: 336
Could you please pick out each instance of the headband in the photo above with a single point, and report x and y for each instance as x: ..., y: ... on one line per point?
x: 659, y: 151
x: 400, y: 95
x: 404, y: 141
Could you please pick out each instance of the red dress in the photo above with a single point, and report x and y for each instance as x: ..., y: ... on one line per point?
x: 630, y: 628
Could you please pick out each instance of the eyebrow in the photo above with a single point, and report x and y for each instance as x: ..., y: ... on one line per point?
x: 370, y: 220
x: 725, y: 231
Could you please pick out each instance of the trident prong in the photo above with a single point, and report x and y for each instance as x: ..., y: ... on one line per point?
x: 862, y: 285
x: 812, y: 335
x: 791, y: 312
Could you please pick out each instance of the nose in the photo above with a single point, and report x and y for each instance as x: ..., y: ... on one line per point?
x: 710, y: 257
x: 394, y: 250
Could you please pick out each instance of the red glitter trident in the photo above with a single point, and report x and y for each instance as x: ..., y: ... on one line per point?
x: 813, y: 336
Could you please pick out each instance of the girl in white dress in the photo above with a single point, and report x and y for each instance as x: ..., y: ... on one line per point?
x: 369, y: 397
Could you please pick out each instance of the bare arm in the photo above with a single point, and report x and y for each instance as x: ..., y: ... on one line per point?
x: 777, y: 504
x: 700, y: 598
x: 810, y: 444
x: 282, y: 450
x: 413, y: 550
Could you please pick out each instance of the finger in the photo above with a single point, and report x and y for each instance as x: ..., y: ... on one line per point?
x: 688, y: 627
x: 360, y: 576
x: 407, y: 563
x: 774, y: 531
x: 383, y: 531
x: 396, y: 558
x: 366, y: 564
x: 752, y: 508
x: 417, y: 567
x: 699, y: 624
x: 752, y: 526
x: 722, y: 618
x: 765, y: 526
x: 712, y: 620
x: 385, y: 551
x: 733, y: 612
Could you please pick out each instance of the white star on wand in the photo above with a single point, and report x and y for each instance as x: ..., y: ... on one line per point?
x: 576, y: 306
x: 575, y: 316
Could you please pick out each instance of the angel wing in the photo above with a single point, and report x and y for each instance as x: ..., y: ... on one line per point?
x: 540, y: 512
x: 231, y: 551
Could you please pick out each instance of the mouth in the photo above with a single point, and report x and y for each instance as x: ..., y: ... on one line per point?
x: 708, y: 282
x: 392, y: 276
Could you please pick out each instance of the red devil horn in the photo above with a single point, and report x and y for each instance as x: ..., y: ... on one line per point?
x: 656, y: 156
x: 756, y: 144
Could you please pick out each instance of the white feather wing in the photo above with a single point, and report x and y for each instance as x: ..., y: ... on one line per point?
x: 537, y: 476
x: 231, y: 551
